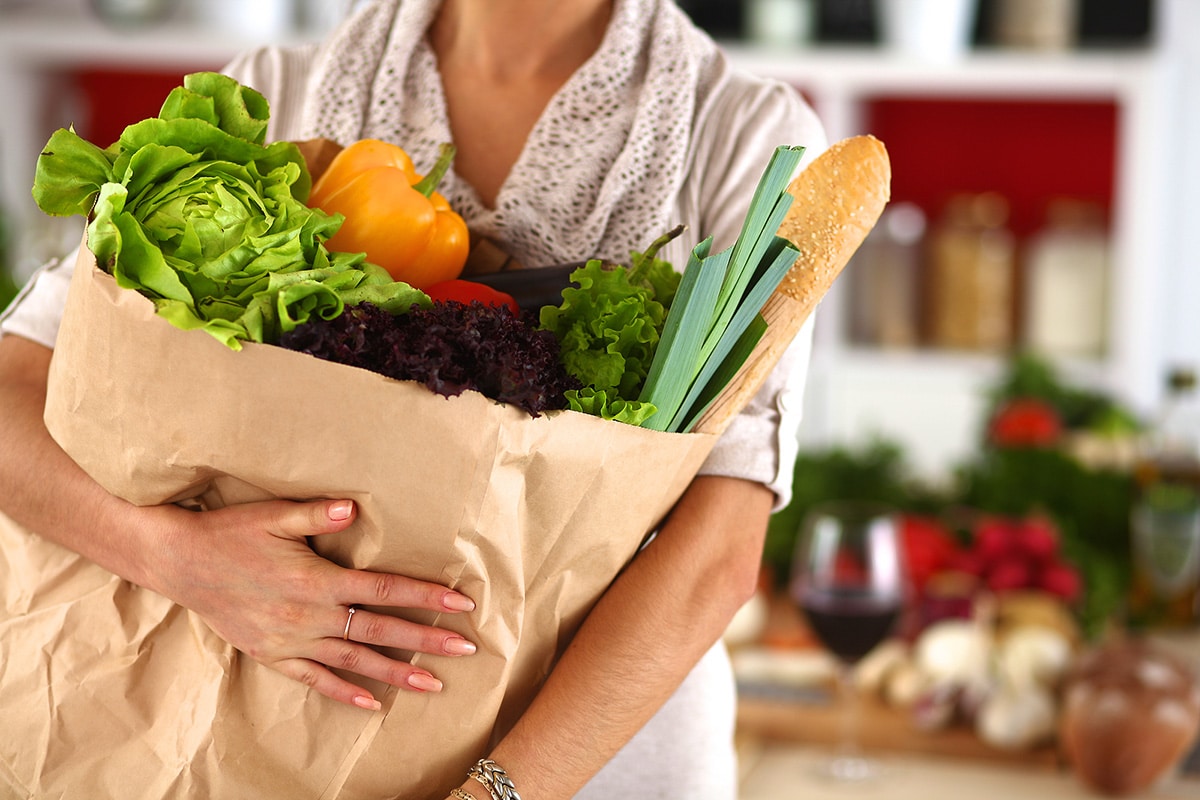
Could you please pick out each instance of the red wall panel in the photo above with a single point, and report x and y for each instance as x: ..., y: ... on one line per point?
x: 1029, y: 151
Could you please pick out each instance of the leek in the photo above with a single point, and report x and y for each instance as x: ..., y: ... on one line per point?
x: 715, y: 320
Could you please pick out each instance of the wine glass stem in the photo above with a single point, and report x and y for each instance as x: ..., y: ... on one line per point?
x: 851, y: 713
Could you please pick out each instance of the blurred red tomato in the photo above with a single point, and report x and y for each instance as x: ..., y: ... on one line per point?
x: 1025, y: 422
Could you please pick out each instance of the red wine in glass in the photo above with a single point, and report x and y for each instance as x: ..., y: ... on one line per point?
x: 850, y: 622
x: 848, y: 578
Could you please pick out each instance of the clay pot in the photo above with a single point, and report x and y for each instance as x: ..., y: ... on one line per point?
x: 1131, y: 712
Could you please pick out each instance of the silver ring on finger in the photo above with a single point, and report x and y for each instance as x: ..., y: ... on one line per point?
x: 349, y: 619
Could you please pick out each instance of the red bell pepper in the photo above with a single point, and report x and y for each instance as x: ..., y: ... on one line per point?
x: 466, y: 292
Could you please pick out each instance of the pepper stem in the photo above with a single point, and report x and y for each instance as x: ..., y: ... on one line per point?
x: 428, y: 185
x: 641, y: 261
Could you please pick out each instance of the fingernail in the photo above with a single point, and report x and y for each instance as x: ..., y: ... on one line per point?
x: 341, y: 510
x: 369, y: 703
x: 459, y: 647
x: 424, y: 682
x: 457, y: 602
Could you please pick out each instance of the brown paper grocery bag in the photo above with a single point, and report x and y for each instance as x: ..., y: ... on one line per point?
x: 532, y: 518
x: 111, y: 691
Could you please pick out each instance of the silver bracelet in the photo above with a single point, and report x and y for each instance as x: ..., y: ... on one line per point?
x: 494, y: 779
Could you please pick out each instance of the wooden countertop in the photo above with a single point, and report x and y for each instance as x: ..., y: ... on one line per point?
x: 785, y: 729
x: 881, y: 730
x: 779, y: 771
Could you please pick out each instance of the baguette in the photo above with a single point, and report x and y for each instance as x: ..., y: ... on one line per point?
x: 838, y: 199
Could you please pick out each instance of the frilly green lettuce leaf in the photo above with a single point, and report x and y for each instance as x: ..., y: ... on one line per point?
x: 601, y: 404
x: 607, y: 329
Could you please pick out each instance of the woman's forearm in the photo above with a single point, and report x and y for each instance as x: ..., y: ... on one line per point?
x: 642, y: 639
x: 42, y: 488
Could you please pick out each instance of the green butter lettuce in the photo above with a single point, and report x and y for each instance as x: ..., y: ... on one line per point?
x: 195, y: 211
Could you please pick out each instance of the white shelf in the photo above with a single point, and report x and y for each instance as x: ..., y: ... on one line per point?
x: 34, y: 38
x: 867, y: 71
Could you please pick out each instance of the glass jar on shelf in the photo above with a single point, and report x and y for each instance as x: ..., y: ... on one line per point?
x: 885, y: 280
x: 970, y: 277
x: 779, y: 23
x: 1050, y: 25
x: 260, y: 21
x: 1066, y: 282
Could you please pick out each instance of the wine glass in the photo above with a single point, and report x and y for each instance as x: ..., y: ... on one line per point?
x: 848, y: 578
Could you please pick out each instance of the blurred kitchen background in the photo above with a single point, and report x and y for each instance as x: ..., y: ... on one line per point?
x: 1043, y: 184
x: 1022, y: 322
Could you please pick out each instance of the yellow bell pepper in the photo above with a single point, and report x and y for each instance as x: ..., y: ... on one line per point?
x: 392, y: 213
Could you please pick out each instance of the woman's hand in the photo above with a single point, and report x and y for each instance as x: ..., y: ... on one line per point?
x: 246, y: 570
x: 249, y: 572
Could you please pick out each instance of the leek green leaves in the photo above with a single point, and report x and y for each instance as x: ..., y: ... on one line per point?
x: 715, y: 321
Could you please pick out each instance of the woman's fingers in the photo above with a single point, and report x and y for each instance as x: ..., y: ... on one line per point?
x: 349, y: 655
x: 382, y: 630
x: 301, y: 520
x: 261, y: 587
x: 359, y: 659
x: 397, y: 591
x: 324, y: 681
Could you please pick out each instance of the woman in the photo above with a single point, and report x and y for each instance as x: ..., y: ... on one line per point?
x: 583, y: 129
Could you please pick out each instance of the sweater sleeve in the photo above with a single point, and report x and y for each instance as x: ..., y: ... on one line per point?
x: 36, y: 313
x: 747, y: 119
